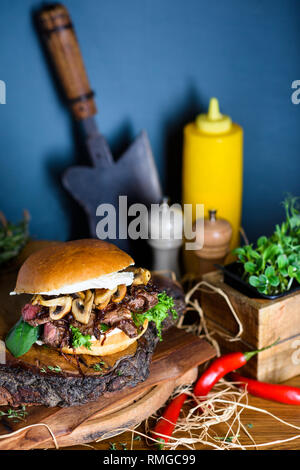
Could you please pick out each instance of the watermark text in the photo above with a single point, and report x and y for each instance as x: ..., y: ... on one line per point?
x: 2, y: 92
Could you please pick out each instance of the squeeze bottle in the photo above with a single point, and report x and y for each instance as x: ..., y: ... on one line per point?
x: 213, y: 166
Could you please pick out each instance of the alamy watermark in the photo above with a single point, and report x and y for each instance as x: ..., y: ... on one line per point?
x: 295, y: 96
x: 159, y: 222
x: 2, y: 352
x: 2, y: 92
x: 296, y: 353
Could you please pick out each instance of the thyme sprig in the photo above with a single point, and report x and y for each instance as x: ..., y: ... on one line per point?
x: 15, y: 415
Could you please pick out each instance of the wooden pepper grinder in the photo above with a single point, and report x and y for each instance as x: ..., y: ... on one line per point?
x: 217, y: 238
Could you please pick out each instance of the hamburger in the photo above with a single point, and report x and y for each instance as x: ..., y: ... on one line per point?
x: 87, y: 299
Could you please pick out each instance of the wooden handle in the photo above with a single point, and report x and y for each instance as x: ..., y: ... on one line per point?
x: 57, y: 30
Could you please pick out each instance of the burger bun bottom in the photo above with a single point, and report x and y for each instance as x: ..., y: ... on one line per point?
x: 113, y: 344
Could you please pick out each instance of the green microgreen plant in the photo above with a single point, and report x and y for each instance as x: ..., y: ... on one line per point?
x: 273, y: 264
x: 13, y: 237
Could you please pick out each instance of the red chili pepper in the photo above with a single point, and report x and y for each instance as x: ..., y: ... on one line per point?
x: 220, y: 367
x: 280, y: 393
x: 168, y: 420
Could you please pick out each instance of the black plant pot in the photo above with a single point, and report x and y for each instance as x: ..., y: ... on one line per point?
x: 233, y: 277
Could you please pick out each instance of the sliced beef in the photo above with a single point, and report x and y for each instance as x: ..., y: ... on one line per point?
x: 84, y: 329
x: 129, y: 327
x: 22, y: 386
x: 53, y: 335
x: 117, y: 313
x: 29, y: 311
x: 136, y: 304
x: 41, y: 318
x: 151, y: 299
x: 119, y: 316
x: 138, y: 299
x: 141, y: 300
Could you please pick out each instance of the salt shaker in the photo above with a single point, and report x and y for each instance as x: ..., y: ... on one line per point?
x: 165, y: 236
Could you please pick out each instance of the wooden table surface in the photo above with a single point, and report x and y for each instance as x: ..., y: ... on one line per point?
x: 262, y: 427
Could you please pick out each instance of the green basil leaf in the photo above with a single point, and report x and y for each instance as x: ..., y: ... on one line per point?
x: 21, y: 337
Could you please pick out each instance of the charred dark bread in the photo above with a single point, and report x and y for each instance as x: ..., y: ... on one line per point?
x: 18, y: 385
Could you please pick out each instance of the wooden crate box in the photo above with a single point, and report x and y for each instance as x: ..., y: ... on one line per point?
x: 264, y: 321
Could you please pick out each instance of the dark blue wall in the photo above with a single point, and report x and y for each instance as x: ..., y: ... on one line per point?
x: 154, y: 65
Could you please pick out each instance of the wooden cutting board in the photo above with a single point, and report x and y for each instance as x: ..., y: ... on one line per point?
x: 174, y: 362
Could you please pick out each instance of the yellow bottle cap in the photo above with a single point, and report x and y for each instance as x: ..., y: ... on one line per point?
x: 213, y: 122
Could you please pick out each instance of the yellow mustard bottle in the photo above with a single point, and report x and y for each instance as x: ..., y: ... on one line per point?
x: 213, y: 166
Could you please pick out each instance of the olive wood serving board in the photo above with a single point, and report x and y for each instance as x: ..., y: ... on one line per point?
x: 174, y: 362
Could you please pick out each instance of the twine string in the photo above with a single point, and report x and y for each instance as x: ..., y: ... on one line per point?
x: 194, y: 304
x: 224, y: 405
x: 4, y: 436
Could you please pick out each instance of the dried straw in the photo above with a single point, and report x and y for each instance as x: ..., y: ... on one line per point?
x: 4, y: 436
x: 226, y: 402
x: 224, y: 405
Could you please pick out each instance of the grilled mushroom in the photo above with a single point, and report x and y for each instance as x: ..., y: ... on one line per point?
x: 58, y: 307
x: 82, y: 309
x: 80, y: 294
x: 120, y: 293
x: 61, y: 309
x: 141, y: 276
x: 102, y: 297
x: 36, y: 299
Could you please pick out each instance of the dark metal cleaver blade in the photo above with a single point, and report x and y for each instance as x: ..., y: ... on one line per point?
x: 97, y: 146
x: 133, y: 175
